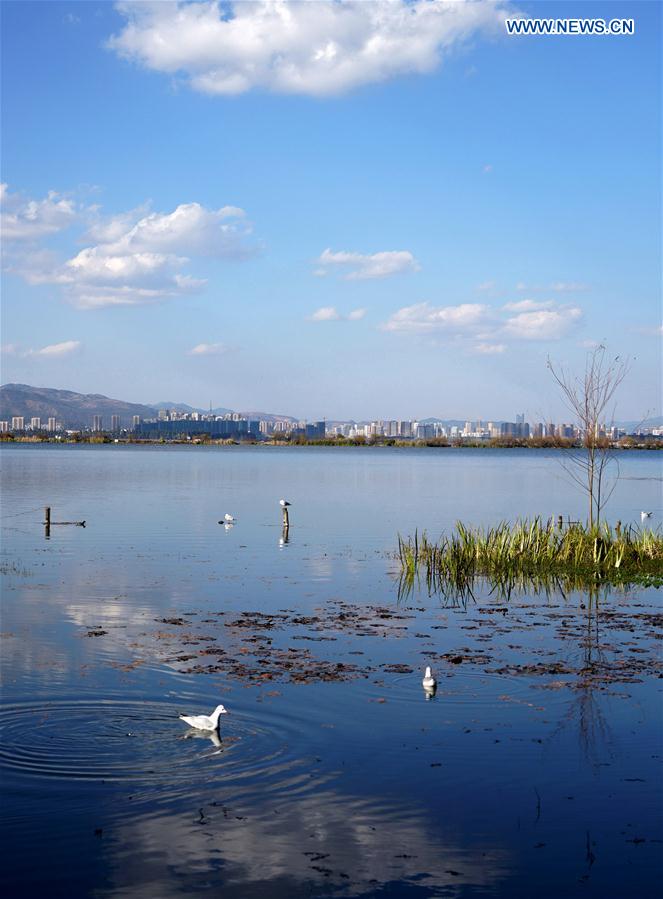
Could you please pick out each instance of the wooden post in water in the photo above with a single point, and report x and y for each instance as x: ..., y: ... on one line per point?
x: 47, y: 516
x: 618, y: 528
x: 560, y: 521
x: 286, y: 519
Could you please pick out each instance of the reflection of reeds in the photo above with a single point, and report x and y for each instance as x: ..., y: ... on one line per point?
x: 532, y: 556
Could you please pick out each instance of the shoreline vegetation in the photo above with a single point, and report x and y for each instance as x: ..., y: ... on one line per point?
x: 532, y: 554
x: 626, y: 443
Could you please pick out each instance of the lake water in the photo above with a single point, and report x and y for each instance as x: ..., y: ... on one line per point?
x: 535, y: 769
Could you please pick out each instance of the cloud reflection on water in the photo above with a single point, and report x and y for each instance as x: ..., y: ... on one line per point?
x: 347, y: 844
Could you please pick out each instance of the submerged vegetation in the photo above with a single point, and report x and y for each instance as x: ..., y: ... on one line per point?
x: 534, y: 555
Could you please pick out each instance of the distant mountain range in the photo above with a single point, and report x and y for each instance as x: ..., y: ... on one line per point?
x: 184, y: 407
x: 221, y: 410
x: 76, y: 410
x: 73, y: 410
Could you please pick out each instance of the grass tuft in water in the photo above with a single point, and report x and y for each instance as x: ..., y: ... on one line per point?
x: 532, y: 552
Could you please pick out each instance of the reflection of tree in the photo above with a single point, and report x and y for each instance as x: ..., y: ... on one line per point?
x: 587, y: 655
x: 584, y: 712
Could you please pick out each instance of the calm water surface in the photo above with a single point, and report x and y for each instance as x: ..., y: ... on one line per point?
x: 510, y: 782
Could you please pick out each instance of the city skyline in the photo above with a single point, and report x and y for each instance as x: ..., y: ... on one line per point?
x: 264, y: 424
x: 407, y: 235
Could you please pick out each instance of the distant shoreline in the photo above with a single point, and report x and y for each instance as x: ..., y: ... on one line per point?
x: 625, y: 443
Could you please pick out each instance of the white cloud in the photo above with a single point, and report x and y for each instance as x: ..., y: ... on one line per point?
x: 325, y: 314
x: 544, y: 324
x: 489, y: 349
x: 360, y: 267
x: 139, y: 255
x: 423, y: 318
x: 208, y: 349
x: 99, y: 296
x: 486, y: 285
x: 331, y: 314
x: 489, y: 327
x: 111, y: 228
x: 27, y: 220
x: 55, y: 350
x: 9, y: 349
x: 190, y: 228
x: 555, y: 287
x: 316, y: 48
x: 650, y: 331
x: 527, y: 305
x: 568, y: 286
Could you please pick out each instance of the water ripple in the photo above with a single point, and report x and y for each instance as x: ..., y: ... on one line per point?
x: 144, y: 744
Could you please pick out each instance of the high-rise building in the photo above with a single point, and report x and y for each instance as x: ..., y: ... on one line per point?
x: 35, y: 423
x: 135, y: 421
x: 4, y: 427
x: 18, y: 423
x: 315, y: 431
x: 514, y: 429
x: 115, y: 422
x: 520, y: 418
x: 163, y: 415
x: 52, y: 424
x: 97, y: 423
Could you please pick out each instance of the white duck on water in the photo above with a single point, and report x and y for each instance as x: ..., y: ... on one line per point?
x: 228, y: 519
x: 644, y: 516
x: 205, y: 722
x: 428, y: 683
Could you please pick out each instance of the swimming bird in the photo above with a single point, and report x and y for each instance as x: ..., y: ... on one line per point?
x: 228, y: 518
x: 283, y: 503
x: 644, y: 516
x: 428, y: 683
x: 205, y: 722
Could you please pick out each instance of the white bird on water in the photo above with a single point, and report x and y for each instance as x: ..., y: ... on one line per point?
x: 428, y: 683
x: 644, y: 516
x: 228, y: 518
x: 205, y: 722
x: 283, y: 503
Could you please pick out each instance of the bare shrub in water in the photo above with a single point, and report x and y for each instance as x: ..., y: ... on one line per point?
x: 589, y: 399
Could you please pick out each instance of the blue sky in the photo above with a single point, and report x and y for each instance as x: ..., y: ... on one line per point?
x: 484, y: 202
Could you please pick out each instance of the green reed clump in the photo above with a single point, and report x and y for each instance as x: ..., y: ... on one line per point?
x: 532, y: 549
